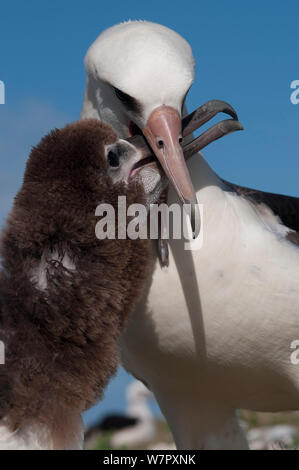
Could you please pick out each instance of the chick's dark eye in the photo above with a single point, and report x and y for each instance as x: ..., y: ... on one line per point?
x: 113, y: 159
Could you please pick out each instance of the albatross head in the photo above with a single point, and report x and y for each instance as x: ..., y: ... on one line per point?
x: 138, y: 75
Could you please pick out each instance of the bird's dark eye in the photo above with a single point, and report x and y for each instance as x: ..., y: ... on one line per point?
x: 127, y: 100
x: 122, y: 96
x: 113, y: 159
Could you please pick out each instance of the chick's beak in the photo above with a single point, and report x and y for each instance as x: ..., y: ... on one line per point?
x: 164, y: 133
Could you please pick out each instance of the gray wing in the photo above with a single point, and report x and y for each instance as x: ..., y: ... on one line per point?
x: 285, y: 207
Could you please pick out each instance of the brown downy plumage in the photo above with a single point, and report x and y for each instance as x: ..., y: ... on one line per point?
x: 65, y: 296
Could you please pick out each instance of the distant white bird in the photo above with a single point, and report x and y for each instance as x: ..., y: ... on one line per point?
x: 213, y: 333
x: 271, y: 437
x: 145, y: 428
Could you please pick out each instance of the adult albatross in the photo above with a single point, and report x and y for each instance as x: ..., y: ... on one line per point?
x: 213, y: 332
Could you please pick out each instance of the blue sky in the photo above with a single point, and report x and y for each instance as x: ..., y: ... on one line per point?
x: 246, y: 52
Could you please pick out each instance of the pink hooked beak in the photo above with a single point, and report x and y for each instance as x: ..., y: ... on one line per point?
x: 164, y: 134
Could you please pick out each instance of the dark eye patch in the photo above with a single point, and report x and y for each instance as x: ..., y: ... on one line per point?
x: 127, y: 100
